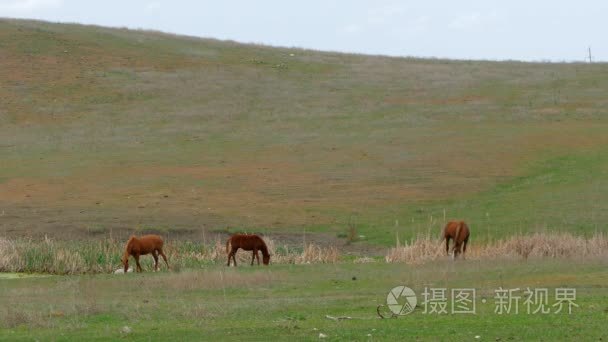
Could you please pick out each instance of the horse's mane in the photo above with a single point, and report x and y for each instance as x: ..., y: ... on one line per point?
x: 130, y: 241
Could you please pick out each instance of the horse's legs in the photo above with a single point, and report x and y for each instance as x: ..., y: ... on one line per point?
x: 229, y: 257
x: 232, y: 255
x: 455, y: 249
x: 255, y: 255
x: 447, y: 245
x: 155, y: 256
x: 160, y: 251
x: 139, y: 269
x: 460, y: 248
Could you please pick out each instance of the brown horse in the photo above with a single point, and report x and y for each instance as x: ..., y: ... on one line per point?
x: 143, y: 245
x: 459, y: 232
x: 247, y: 242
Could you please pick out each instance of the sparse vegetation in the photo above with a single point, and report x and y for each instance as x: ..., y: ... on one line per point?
x: 106, y: 129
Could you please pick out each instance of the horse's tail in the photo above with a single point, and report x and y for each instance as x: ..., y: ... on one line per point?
x: 228, y: 245
x: 458, y: 229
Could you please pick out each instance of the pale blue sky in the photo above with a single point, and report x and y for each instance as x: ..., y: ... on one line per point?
x: 466, y: 29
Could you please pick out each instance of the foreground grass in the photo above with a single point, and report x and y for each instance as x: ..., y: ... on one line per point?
x: 291, y: 301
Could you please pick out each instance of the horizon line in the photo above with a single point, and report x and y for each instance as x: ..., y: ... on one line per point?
x: 269, y: 45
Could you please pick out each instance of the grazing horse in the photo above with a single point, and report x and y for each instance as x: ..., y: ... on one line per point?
x: 247, y: 242
x: 459, y: 232
x: 145, y: 244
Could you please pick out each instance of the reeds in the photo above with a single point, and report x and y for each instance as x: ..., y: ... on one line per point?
x: 103, y: 256
x: 538, y: 245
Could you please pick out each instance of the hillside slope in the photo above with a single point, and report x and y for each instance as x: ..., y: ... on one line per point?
x: 110, y: 130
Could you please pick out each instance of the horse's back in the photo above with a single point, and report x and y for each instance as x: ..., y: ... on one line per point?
x: 246, y: 241
x: 464, y: 230
x: 245, y: 237
x: 151, y: 237
x: 456, y: 227
x: 151, y: 241
x: 450, y: 228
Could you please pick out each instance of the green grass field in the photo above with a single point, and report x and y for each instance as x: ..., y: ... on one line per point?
x: 290, y: 302
x: 107, y: 132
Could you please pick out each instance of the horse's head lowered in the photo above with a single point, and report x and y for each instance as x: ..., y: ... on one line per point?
x: 125, y: 256
x: 266, y: 259
x: 125, y: 262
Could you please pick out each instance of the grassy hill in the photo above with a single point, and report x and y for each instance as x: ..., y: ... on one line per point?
x: 111, y: 130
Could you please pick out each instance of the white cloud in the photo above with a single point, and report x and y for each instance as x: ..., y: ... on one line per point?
x: 27, y: 6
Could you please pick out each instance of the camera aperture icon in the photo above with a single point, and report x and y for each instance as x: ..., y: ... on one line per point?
x: 401, y: 300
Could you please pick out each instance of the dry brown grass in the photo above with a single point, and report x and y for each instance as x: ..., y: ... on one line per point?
x: 8, y: 254
x: 311, y: 254
x: 103, y: 256
x: 364, y: 260
x: 538, y: 245
x: 48, y: 256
